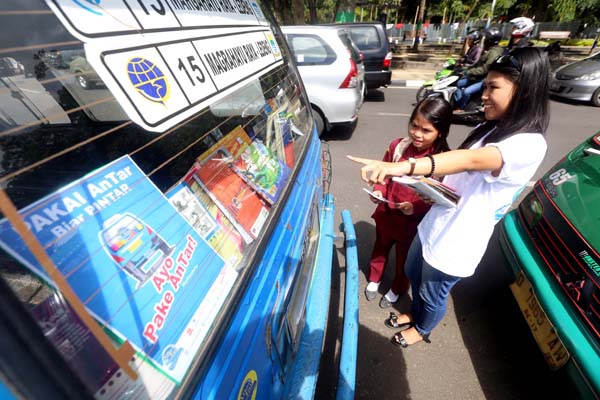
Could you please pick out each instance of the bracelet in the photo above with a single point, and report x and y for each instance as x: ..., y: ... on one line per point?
x: 430, y: 174
x: 413, y: 163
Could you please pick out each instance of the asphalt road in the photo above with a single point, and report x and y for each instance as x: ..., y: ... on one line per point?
x: 483, y: 348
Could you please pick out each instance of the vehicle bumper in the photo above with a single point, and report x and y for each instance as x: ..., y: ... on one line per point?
x: 345, y: 109
x: 574, y: 90
x: 375, y: 79
x: 521, y: 255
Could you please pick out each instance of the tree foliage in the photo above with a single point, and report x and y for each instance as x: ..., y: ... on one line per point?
x: 323, y: 11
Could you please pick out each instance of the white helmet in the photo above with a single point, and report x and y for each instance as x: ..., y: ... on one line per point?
x: 522, y: 26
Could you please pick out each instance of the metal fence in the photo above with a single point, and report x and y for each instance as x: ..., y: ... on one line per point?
x: 442, y: 33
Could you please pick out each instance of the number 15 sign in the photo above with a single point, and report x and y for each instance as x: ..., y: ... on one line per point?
x: 162, y: 84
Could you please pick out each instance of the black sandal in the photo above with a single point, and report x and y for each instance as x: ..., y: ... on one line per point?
x: 392, y: 323
x: 399, y: 341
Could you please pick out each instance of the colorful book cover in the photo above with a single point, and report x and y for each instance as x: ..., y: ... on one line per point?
x: 262, y: 170
x: 209, y: 224
x: 242, y: 205
x: 237, y: 200
x: 235, y: 142
x: 136, y: 264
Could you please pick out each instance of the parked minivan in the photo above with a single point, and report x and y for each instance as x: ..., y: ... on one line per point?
x: 332, y: 72
x: 372, y: 40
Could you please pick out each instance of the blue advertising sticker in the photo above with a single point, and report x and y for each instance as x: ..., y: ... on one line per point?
x: 131, y: 258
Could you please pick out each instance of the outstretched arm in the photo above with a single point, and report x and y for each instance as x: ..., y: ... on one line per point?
x: 451, y: 162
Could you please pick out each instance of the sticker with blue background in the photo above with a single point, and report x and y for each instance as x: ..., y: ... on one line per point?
x: 140, y: 269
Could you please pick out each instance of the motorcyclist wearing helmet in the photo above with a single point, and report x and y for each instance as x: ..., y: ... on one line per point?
x: 474, y: 52
x: 472, y: 79
x: 521, y: 31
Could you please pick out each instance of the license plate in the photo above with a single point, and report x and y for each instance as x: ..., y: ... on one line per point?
x: 555, y: 88
x: 548, y: 341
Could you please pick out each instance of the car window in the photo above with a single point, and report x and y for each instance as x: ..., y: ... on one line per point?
x: 365, y: 37
x: 311, y: 50
x: 351, y: 46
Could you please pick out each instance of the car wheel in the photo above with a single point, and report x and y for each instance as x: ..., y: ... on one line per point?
x: 424, y: 91
x: 596, y: 98
x: 320, y: 123
x: 84, y: 83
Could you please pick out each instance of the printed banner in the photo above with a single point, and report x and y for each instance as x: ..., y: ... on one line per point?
x: 87, y: 19
x: 161, y: 84
x: 165, y: 60
x: 140, y: 269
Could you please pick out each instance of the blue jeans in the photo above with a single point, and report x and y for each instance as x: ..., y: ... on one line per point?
x: 430, y: 289
x: 465, y: 91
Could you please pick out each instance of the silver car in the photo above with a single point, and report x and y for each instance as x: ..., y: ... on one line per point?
x: 332, y: 71
x: 578, y: 81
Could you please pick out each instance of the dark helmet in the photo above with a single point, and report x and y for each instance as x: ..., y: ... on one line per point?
x: 493, y: 36
x: 475, y: 36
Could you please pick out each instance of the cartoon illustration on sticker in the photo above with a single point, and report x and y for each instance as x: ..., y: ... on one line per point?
x: 148, y: 79
x: 134, y: 246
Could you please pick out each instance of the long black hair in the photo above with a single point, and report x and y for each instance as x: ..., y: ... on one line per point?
x: 529, y: 69
x: 438, y: 112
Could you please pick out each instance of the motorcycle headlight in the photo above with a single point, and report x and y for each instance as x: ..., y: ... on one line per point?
x: 531, y: 210
x: 589, y: 77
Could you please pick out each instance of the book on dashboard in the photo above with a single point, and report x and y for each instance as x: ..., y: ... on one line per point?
x: 430, y: 188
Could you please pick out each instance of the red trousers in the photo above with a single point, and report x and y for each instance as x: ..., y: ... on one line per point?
x: 379, y: 257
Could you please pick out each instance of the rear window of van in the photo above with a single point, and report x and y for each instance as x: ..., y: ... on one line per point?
x: 365, y: 37
x: 311, y: 50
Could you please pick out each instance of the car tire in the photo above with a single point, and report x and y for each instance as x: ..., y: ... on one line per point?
x: 596, y: 98
x: 83, y: 83
x: 424, y: 91
x: 320, y: 123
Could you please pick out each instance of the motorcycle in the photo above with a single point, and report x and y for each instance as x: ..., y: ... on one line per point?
x: 473, y: 111
x: 446, y: 71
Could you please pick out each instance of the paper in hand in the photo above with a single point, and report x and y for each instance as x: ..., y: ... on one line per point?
x: 378, y: 198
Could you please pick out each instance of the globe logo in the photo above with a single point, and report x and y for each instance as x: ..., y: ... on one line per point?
x: 86, y: 7
x: 148, y: 79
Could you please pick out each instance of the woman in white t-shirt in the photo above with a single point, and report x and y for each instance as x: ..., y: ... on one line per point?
x: 489, y: 170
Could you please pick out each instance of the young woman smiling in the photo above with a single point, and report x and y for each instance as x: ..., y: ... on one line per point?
x: 489, y: 170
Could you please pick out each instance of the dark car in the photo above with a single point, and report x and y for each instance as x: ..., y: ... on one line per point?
x: 578, y: 81
x: 372, y: 40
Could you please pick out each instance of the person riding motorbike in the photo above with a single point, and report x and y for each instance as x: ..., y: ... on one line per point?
x: 521, y: 31
x: 474, y: 52
x: 472, y: 78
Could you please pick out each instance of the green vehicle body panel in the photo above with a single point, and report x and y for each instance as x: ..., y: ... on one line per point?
x: 577, y: 196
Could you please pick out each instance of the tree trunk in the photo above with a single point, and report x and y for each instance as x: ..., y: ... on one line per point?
x: 419, y: 25
x: 277, y: 7
x: 312, y: 11
x: 298, y: 12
